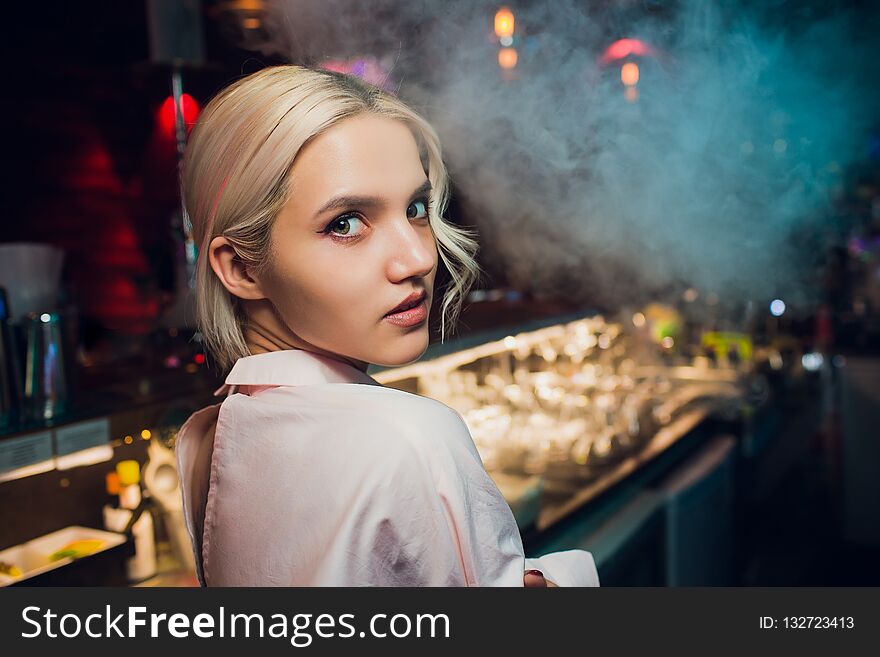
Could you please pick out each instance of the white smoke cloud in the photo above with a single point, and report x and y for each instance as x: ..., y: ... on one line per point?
x: 732, y: 153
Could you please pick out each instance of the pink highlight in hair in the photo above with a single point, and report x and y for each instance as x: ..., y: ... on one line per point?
x: 216, y: 203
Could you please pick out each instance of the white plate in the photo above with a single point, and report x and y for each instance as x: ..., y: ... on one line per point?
x: 33, y: 556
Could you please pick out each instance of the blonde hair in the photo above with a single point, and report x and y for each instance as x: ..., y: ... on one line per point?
x: 236, y: 169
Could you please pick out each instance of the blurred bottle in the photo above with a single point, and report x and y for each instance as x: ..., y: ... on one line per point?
x: 131, y: 505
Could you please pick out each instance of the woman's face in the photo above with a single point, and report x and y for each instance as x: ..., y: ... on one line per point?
x: 353, y: 241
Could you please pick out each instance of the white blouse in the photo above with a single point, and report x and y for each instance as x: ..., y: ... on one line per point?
x: 311, y: 473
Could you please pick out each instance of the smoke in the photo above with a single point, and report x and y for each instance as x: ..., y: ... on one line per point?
x: 720, y: 175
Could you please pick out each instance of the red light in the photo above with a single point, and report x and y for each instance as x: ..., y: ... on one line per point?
x: 624, y: 48
x: 166, y: 114
x: 199, y: 358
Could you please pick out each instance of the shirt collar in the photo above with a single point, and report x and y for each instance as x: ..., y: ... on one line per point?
x: 293, y: 367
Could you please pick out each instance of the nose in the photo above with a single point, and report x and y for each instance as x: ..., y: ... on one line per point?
x: 412, y: 251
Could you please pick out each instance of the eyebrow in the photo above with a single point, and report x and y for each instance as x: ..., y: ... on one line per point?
x: 366, y: 201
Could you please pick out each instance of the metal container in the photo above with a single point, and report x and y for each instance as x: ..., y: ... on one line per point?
x: 46, y: 385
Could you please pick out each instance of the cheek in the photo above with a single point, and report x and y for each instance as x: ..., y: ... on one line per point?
x: 312, y: 290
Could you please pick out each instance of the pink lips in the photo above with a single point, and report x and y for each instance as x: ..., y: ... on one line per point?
x: 411, y: 316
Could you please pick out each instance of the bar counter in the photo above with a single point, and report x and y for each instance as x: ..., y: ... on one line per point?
x: 572, y: 515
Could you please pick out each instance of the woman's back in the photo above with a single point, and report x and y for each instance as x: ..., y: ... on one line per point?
x: 321, y: 476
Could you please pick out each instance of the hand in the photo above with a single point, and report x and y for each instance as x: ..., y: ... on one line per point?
x: 534, y: 579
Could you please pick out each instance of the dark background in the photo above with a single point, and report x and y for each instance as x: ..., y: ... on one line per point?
x: 92, y: 170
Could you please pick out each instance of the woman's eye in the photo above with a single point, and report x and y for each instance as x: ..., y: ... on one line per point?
x: 343, y: 226
x: 417, y: 209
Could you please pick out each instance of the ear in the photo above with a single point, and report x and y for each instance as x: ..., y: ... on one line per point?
x: 231, y: 271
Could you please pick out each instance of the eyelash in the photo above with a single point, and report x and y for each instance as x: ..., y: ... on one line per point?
x: 349, y: 215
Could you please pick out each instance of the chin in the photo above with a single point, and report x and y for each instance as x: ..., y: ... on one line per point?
x: 402, y: 350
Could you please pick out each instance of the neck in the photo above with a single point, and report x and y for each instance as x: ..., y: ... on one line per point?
x: 266, y: 332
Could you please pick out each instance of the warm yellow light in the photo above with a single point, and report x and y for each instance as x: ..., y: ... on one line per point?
x: 504, y: 23
x: 629, y: 74
x: 145, y: 434
x: 507, y: 58
x: 638, y: 320
x: 128, y: 440
x: 251, y: 23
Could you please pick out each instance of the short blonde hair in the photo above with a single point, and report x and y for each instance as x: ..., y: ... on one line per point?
x: 235, y: 181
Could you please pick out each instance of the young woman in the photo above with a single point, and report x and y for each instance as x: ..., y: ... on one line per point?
x: 317, y: 204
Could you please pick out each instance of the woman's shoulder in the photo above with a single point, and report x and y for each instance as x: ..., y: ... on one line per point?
x: 362, y: 412
x: 426, y: 412
x: 427, y: 425
x: 427, y: 407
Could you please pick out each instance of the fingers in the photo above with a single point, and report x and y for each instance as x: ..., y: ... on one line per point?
x: 534, y: 579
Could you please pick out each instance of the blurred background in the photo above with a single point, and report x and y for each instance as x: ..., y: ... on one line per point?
x: 672, y: 361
